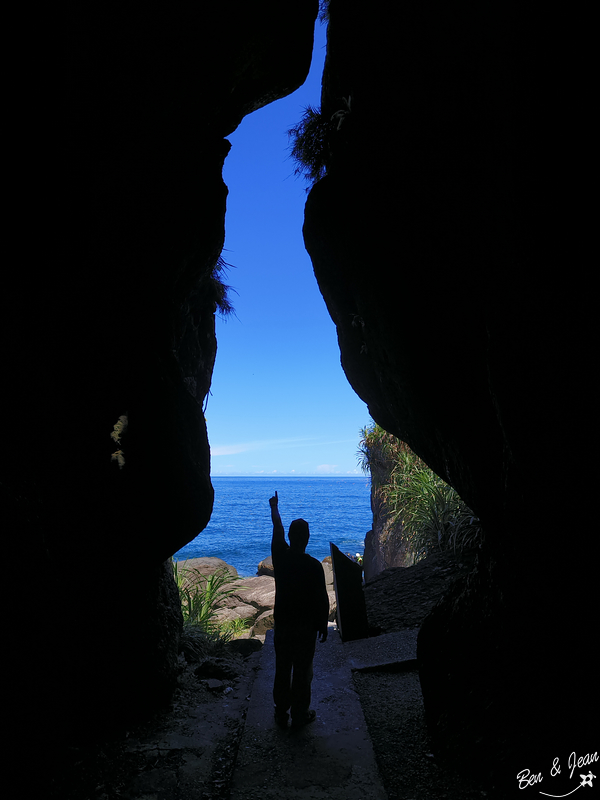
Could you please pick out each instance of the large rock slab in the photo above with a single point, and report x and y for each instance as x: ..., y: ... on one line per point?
x: 402, y: 597
x: 351, y: 610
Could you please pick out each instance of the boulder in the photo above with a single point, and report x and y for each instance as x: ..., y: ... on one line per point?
x: 205, y: 565
x: 230, y: 613
x: 263, y: 623
x: 258, y: 592
x: 254, y: 600
x: 215, y: 685
x: 221, y: 669
x: 244, y: 646
x: 266, y: 567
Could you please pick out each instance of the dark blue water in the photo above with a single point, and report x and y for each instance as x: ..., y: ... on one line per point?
x: 337, y: 510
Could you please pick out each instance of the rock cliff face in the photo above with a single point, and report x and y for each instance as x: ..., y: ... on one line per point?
x: 383, y: 546
x: 120, y: 210
x: 427, y: 238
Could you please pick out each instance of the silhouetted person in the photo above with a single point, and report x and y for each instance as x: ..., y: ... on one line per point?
x: 301, y: 612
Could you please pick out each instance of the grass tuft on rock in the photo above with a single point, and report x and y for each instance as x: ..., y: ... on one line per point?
x: 310, y: 144
x: 221, y: 289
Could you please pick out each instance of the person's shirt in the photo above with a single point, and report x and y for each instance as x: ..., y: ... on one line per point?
x: 301, y: 597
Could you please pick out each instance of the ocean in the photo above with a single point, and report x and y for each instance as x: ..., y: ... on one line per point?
x: 337, y: 510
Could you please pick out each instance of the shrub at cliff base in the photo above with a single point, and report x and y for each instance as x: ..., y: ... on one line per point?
x: 201, y: 596
x: 430, y: 511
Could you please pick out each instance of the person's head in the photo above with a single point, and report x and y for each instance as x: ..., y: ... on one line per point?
x: 298, y: 534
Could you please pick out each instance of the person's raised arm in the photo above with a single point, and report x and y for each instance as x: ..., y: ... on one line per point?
x: 278, y: 532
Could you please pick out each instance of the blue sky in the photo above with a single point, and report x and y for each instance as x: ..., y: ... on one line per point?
x: 280, y: 402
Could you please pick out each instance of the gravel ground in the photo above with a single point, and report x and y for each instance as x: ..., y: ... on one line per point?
x: 185, y: 752
x: 393, y: 707
x: 392, y: 702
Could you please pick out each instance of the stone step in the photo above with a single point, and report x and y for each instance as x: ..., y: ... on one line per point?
x: 396, y: 650
x: 332, y: 757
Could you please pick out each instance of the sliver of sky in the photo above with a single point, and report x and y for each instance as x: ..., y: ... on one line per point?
x: 280, y: 402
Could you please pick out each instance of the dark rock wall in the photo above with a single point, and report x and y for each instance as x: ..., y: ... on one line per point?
x: 437, y: 241
x: 118, y: 209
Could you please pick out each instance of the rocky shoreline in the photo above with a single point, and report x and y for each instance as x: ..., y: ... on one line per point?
x: 254, y: 601
x: 397, y: 598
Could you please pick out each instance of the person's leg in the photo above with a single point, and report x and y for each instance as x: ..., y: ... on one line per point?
x: 282, y: 693
x: 303, y: 654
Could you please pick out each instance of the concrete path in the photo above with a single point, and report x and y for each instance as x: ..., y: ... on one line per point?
x: 332, y: 758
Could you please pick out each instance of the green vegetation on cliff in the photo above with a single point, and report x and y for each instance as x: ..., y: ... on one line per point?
x: 220, y: 289
x: 309, y: 148
x: 430, y: 512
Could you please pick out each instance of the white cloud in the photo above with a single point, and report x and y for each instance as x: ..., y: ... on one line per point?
x: 244, y: 447
x: 228, y: 449
x: 326, y: 469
